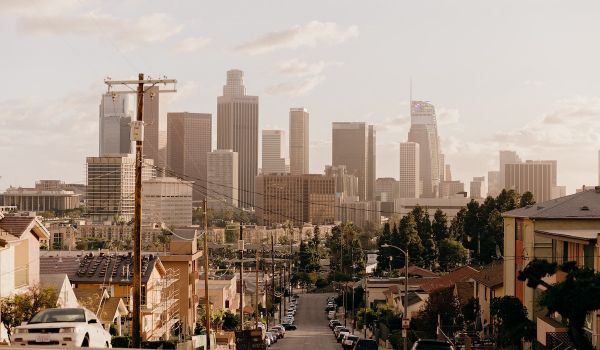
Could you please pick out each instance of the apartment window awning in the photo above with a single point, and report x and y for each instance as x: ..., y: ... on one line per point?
x: 581, y: 236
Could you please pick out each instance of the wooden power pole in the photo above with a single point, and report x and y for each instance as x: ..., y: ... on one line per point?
x: 207, y: 302
x: 138, y: 87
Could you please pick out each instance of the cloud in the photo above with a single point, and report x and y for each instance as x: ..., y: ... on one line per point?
x: 127, y: 33
x: 534, y: 83
x: 393, y: 123
x: 308, y: 35
x: 447, y: 116
x: 192, y: 44
x: 37, y: 8
x: 296, y: 88
x: 298, y: 68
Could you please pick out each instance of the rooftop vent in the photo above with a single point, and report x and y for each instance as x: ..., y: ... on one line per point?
x: 585, y: 208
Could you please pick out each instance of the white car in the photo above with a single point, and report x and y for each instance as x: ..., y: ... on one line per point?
x: 70, y: 327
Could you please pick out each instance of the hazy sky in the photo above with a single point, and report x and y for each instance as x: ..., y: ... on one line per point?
x: 519, y: 75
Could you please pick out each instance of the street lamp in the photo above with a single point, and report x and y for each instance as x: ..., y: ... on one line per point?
x: 405, y: 317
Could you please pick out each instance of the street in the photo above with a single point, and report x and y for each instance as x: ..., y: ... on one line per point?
x: 313, y: 331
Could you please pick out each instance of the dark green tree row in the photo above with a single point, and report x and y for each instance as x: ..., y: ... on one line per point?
x: 346, y: 254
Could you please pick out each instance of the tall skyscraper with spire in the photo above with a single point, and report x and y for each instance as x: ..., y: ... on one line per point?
x: 237, y: 130
x: 423, y: 130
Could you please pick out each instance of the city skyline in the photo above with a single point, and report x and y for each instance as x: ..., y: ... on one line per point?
x: 539, y: 113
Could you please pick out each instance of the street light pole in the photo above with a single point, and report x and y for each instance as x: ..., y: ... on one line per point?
x: 405, y: 316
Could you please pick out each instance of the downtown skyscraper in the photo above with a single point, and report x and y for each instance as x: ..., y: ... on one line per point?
x: 410, y: 179
x: 189, y: 139
x: 151, y: 126
x: 299, y: 141
x: 237, y: 130
x: 353, y: 145
x: 114, y: 125
x: 272, y: 160
x: 423, y: 130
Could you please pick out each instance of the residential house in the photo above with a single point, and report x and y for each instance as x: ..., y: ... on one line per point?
x: 184, y: 258
x: 489, y: 284
x: 64, y: 290
x: 448, y: 280
x: 111, y: 311
x: 20, y: 238
x: 114, y: 272
x: 395, y: 299
x: 222, y: 292
x: 558, y: 230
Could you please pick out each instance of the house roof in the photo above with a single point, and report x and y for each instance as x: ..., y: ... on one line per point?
x: 459, y: 275
x: 17, y: 225
x: 184, y: 234
x: 491, y: 276
x: 420, y: 272
x: 55, y: 280
x: 464, y: 291
x: 99, y: 268
x: 583, y: 236
x: 90, y: 298
x: 52, y: 265
x: 582, y: 205
x: 110, y: 308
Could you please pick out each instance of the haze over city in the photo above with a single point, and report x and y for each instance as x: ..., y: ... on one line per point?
x: 517, y: 75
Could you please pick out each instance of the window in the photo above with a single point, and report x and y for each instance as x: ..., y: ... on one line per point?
x: 588, y: 256
x: 143, y: 295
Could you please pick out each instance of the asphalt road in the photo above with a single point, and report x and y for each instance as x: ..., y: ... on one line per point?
x: 313, y: 331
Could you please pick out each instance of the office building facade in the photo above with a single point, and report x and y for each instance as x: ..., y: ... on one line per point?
x: 410, y: 167
x: 114, y: 125
x: 299, y: 141
x: 423, y: 130
x: 222, y: 179
x: 237, y: 130
x: 167, y: 200
x: 273, y: 161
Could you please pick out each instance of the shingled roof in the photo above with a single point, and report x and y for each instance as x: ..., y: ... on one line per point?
x: 582, y: 205
x: 459, y: 275
x: 491, y: 276
x: 17, y: 225
x: 98, y: 268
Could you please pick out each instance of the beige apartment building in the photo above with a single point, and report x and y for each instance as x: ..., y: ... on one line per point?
x: 167, y: 200
x: 299, y: 141
x: 296, y: 198
x: 188, y: 142
x: 410, y: 178
x: 222, y: 178
x: 237, y: 130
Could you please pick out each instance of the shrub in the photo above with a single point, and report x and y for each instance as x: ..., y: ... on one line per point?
x: 120, y: 341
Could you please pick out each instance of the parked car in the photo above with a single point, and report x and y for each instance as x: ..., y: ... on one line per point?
x: 276, y: 332
x: 349, y: 341
x: 341, y: 336
x: 330, y: 315
x: 366, y: 344
x: 281, y: 329
x: 70, y: 327
x: 289, y: 326
x: 272, y: 338
x: 431, y: 344
x: 337, y: 331
x: 331, y: 323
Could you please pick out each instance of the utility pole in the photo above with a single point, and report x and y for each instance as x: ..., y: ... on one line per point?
x: 265, y: 284
x: 273, y: 278
x: 256, y: 291
x: 241, y: 248
x: 137, y: 135
x: 207, y: 303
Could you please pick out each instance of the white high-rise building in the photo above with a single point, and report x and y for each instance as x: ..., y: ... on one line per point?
x: 167, y: 200
x: 237, y: 130
x: 114, y: 125
x: 272, y: 159
x: 299, y: 141
x: 222, y: 179
x: 423, y: 130
x: 410, y: 178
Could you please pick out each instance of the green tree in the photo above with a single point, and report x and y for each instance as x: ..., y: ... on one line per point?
x: 430, y: 258
x: 21, y: 307
x: 443, y: 303
x: 408, y: 239
x: 231, y: 321
x: 507, y: 200
x: 452, y: 254
x: 383, y: 254
x: 511, y: 323
x: 526, y: 199
x: 573, y: 298
x: 439, y: 226
x: 345, y: 252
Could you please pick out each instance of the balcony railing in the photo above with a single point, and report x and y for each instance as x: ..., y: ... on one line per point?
x: 558, y: 341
